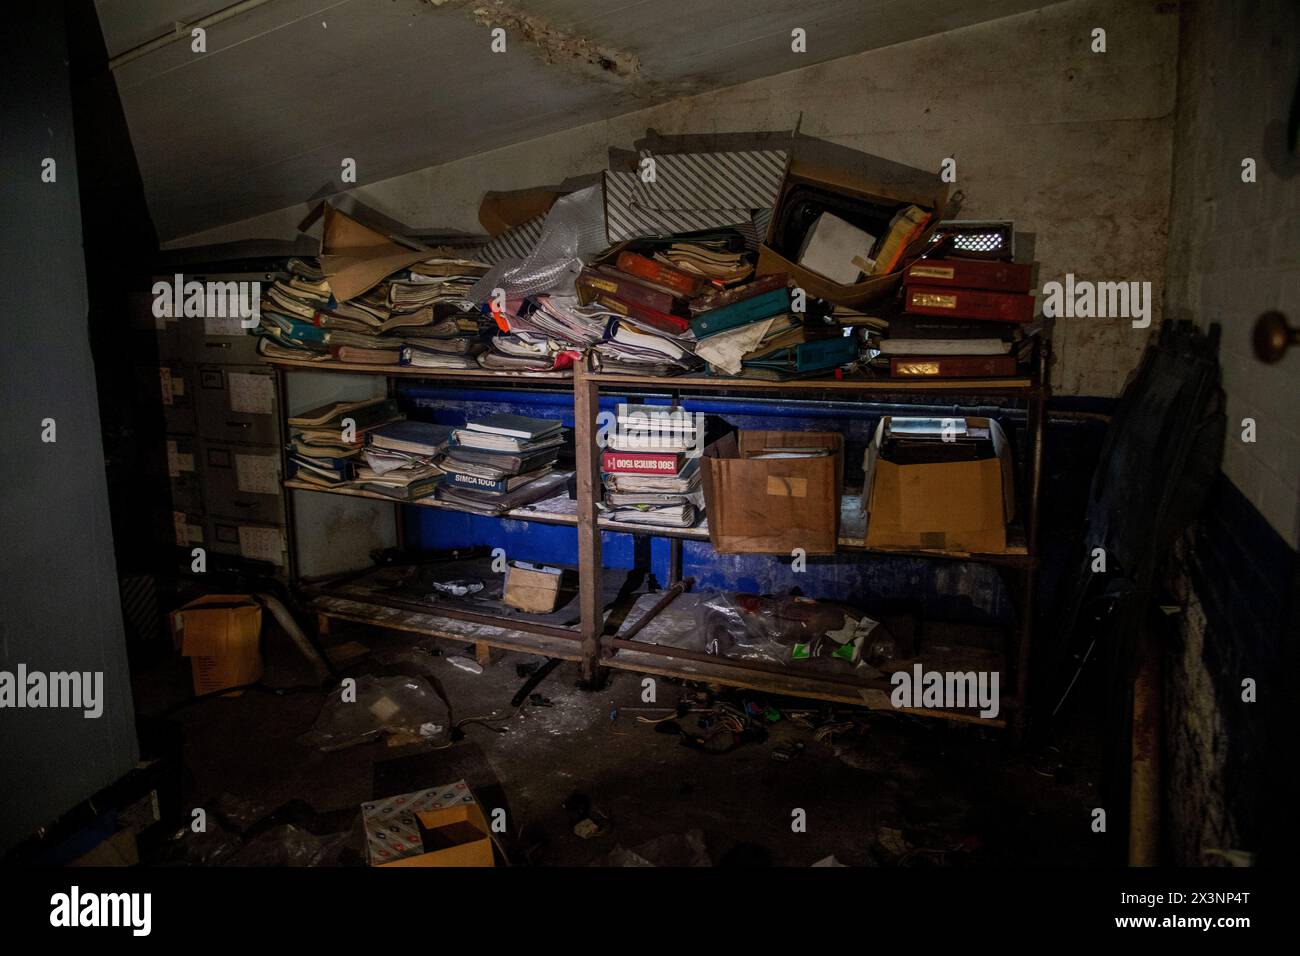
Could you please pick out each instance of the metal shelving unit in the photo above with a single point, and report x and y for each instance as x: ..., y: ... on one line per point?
x: 597, y: 641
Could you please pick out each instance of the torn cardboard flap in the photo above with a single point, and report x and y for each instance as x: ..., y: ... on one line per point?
x: 356, y: 258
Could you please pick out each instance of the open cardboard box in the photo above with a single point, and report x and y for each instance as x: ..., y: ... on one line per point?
x: 532, y: 588
x: 438, y: 826
x: 941, y: 505
x: 451, y: 836
x: 861, y: 177
x: 773, y: 505
x: 220, y: 634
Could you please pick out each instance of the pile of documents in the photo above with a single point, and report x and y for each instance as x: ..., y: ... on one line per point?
x: 326, y: 442
x: 502, y: 461
x: 963, y: 318
x: 419, y: 316
x: 651, y: 467
x: 401, y: 459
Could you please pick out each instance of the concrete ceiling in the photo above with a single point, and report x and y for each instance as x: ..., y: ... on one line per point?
x: 288, y: 89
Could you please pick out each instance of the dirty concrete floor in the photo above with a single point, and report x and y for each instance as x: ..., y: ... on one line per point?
x: 902, y: 790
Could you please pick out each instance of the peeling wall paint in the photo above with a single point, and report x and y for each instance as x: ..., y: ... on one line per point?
x: 553, y: 44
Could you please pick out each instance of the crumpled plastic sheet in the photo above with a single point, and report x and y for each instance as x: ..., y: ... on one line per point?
x: 574, y: 229
x: 763, y: 628
x: 288, y: 845
x: 397, y: 705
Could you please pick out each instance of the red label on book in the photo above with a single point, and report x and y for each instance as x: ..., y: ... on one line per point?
x: 970, y: 274
x: 641, y: 462
x: 681, y: 282
x: 970, y: 304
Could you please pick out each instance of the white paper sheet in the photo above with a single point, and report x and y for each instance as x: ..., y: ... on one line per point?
x: 258, y: 474
x: 261, y: 544
x: 251, y: 393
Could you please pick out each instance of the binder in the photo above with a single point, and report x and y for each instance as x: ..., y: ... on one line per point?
x: 741, y: 313
x: 816, y: 356
x: 988, y: 275
x: 970, y: 304
x: 954, y: 366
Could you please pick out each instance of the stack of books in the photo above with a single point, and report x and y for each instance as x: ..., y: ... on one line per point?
x: 651, y: 468
x: 546, y: 333
x: 420, y: 311
x: 401, y: 459
x: 963, y: 318
x: 714, y: 259
x: 649, y: 330
x: 681, y: 311
x: 326, y: 442
x: 502, y: 461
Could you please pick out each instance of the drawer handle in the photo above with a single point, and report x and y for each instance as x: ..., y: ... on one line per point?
x: 217, y: 345
x: 239, y: 424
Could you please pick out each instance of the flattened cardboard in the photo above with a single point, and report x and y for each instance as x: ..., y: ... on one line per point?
x: 499, y: 212
x: 771, y: 506
x: 220, y: 634
x: 951, y: 506
x: 356, y: 258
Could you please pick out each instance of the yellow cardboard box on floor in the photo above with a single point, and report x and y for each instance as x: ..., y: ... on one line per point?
x: 454, y: 836
x: 220, y: 634
x: 945, y: 505
x: 772, y: 505
x: 440, y: 826
x: 532, y: 588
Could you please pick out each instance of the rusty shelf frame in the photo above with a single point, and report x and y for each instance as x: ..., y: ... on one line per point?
x: 602, y: 649
x: 589, y: 643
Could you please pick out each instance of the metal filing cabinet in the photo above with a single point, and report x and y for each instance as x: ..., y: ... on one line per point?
x: 223, y: 434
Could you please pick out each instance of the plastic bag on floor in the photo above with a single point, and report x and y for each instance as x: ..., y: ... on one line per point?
x: 398, y: 705
x: 783, y: 628
x: 285, y: 845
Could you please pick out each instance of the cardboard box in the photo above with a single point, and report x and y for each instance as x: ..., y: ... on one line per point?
x: 532, y: 588
x: 940, y: 505
x: 440, y: 826
x: 861, y: 177
x: 220, y: 634
x: 773, y: 505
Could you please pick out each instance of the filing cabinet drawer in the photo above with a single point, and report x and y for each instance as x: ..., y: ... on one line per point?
x: 183, y: 474
x: 250, y: 540
x: 243, y: 481
x: 237, y: 403
x: 173, y: 383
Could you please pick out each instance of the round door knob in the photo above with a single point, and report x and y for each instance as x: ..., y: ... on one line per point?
x: 1273, y: 336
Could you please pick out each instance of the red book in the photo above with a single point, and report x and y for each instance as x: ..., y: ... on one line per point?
x: 953, y: 366
x: 642, y: 462
x: 682, y: 283
x: 662, y: 321
x: 984, y: 274
x: 970, y: 304
x: 717, y: 298
x: 592, y: 284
